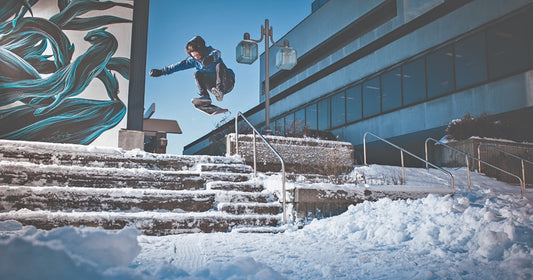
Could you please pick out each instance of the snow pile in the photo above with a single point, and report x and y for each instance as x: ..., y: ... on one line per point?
x: 65, y: 253
x: 483, y: 229
x: 471, y: 235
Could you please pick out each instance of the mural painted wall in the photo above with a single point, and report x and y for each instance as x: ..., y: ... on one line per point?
x: 64, y: 70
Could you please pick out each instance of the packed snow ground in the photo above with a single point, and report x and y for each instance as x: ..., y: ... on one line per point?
x: 486, y: 233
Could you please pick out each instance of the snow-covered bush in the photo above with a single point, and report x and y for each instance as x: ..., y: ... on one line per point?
x: 469, y: 126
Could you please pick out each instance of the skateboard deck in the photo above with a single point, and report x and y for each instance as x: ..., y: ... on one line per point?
x: 210, y: 109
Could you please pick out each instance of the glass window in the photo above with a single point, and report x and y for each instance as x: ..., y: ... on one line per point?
x: 470, y: 61
x: 289, y: 125
x: 440, y: 72
x: 279, y: 127
x: 299, y: 121
x: 529, y: 31
x: 354, y: 110
x: 323, y: 114
x: 338, y: 109
x: 391, y: 90
x: 311, y: 117
x: 507, y: 47
x: 371, y: 97
x: 414, y: 82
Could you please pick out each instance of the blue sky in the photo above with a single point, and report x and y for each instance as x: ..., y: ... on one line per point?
x: 222, y: 24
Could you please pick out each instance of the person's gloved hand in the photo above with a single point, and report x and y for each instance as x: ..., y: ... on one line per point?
x: 156, y: 72
x: 208, y: 60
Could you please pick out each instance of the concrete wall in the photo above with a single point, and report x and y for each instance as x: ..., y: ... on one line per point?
x: 447, y: 157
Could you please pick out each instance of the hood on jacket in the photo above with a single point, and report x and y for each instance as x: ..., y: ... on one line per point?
x: 196, y: 44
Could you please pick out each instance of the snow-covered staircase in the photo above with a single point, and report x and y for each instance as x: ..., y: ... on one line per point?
x: 53, y: 185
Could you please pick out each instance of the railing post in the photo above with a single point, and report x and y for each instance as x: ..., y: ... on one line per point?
x: 364, y: 147
x: 427, y: 156
x: 479, y: 158
x: 468, y: 173
x: 237, y: 134
x: 284, y: 191
x: 255, y: 158
x: 403, y: 169
x: 523, y: 177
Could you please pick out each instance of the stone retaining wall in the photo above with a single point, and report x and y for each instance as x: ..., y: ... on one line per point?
x: 301, y: 155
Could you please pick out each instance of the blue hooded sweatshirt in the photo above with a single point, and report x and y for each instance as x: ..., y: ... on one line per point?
x: 191, y: 62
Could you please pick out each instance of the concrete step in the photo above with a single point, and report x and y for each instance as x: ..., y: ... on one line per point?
x: 54, y: 175
x: 90, y: 199
x: 91, y: 156
x: 16, y: 173
x: 240, y: 197
x: 149, y: 223
x: 225, y: 167
x: 225, y: 177
x: 247, y: 186
x: 53, y: 185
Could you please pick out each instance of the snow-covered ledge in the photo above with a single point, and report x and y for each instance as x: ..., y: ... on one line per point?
x: 301, y: 155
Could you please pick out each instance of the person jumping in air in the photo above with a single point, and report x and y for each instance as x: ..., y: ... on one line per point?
x: 211, y: 75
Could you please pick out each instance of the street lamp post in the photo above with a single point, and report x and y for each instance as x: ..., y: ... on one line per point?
x: 246, y: 52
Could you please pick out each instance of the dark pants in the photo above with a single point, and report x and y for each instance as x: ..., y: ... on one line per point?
x: 222, y: 80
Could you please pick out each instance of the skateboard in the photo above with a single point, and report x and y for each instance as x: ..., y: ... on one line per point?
x: 211, y: 109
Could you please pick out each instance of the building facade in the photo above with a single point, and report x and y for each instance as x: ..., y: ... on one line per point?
x: 401, y: 69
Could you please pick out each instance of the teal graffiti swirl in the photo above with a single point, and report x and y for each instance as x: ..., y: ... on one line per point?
x: 40, y: 79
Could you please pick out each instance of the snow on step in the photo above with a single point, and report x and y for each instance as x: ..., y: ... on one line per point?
x: 272, y: 208
x: 236, y: 197
x: 88, y: 199
x: 94, y: 156
x: 16, y: 173
x: 150, y: 223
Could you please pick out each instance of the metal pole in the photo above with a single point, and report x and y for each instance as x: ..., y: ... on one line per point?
x: 468, y: 173
x: 255, y: 160
x: 403, y: 169
x: 523, y: 177
x: 427, y: 157
x: 364, y: 148
x: 236, y: 135
x: 284, y: 192
x: 479, y: 159
x: 268, y: 34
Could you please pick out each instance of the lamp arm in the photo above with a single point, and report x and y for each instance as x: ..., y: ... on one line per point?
x: 271, y: 35
x: 262, y: 35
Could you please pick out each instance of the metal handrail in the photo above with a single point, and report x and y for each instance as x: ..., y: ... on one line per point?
x: 255, y: 164
x: 522, y: 160
x: 402, y: 150
x: 467, y: 156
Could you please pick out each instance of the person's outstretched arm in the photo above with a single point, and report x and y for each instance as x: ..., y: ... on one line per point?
x: 182, y: 65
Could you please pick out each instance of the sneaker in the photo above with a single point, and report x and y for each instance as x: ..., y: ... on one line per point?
x: 201, y: 101
x: 219, y: 95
